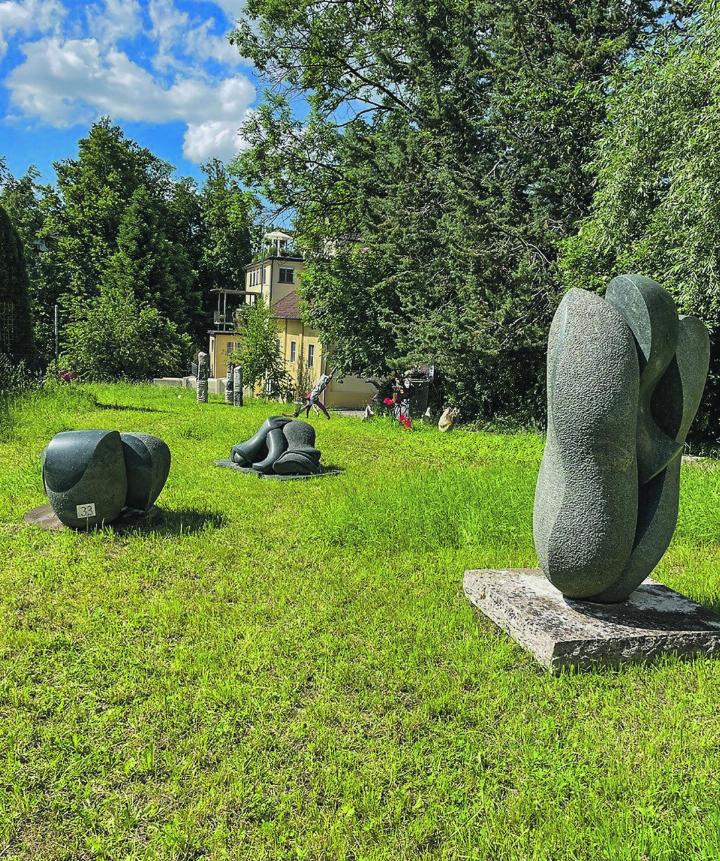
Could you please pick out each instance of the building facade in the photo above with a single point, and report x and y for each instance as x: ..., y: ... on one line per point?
x: 276, y: 277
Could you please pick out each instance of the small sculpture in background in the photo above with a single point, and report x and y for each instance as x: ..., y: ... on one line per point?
x: 624, y: 380
x: 282, y: 446
x: 312, y: 398
x: 93, y: 477
x: 448, y: 419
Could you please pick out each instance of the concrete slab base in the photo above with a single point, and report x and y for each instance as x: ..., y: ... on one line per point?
x: 561, y: 632
x: 44, y: 517
x: 228, y: 464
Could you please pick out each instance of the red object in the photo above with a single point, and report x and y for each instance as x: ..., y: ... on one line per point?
x: 388, y: 402
x: 408, y: 424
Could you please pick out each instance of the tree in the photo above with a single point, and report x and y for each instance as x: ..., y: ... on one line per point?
x: 119, y: 337
x: 16, y: 335
x: 436, y: 172
x: 154, y: 268
x: 259, y: 353
x: 227, y: 217
x: 657, y: 182
x: 27, y: 203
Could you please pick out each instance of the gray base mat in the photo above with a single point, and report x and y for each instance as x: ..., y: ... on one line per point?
x: 44, y: 517
x: 228, y: 464
x: 561, y: 632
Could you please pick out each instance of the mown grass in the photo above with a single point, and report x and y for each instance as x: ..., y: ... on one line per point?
x: 291, y: 671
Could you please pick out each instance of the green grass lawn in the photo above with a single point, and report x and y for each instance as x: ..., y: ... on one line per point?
x: 289, y: 670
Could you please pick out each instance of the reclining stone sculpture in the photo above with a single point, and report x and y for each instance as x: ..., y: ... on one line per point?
x: 92, y: 477
x: 283, y: 446
x: 625, y: 377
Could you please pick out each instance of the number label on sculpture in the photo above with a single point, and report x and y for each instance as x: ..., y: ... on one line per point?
x: 87, y: 510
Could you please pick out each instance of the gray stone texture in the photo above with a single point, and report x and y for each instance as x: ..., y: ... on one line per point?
x: 300, y: 456
x: 651, y: 316
x: 237, y: 386
x: 82, y: 468
x: 586, y: 497
x: 640, y: 393
x: 282, y: 446
x: 147, y: 465
x: 229, y: 385
x: 202, y: 377
x: 565, y: 633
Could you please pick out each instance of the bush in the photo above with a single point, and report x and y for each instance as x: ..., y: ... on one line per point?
x: 118, y: 337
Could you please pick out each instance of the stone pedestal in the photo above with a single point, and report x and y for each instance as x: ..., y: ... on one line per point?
x: 248, y: 470
x: 561, y: 632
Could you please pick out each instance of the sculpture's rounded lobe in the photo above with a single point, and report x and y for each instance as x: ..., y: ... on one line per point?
x: 147, y: 465
x: 300, y: 457
x: 255, y: 449
x: 650, y: 313
x: 586, y: 496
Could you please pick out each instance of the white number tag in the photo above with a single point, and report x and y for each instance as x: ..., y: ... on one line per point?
x: 87, y: 510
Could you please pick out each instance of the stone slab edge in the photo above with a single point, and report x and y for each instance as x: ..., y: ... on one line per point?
x: 537, y: 622
x: 248, y: 470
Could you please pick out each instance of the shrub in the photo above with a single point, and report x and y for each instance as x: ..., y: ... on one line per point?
x: 117, y: 337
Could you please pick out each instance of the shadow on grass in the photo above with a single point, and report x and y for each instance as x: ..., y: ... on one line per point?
x: 130, y: 409
x: 182, y: 521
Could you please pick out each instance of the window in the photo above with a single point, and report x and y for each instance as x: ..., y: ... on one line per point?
x: 293, y: 351
x: 286, y: 275
x: 311, y: 355
x: 230, y: 347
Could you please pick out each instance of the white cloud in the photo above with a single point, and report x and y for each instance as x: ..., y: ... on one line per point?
x: 168, y: 26
x: 213, y: 139
x: 63, y: 83
x: 232, y: 8
x: 114, y: 20
x: 88, y: 69
x: 28, y: 17
x: 201, y: 43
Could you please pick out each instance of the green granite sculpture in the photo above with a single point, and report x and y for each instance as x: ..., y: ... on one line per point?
x: 93, y: 477
x: 282, y: 446
x: 625, y: 377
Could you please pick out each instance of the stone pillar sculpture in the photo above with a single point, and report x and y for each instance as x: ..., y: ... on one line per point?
x: 238, y: 386
x: 229, y: 399
x: 625, y: 377
x: 202, y: 378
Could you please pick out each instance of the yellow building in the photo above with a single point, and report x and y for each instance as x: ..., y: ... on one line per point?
x: 276, y: 277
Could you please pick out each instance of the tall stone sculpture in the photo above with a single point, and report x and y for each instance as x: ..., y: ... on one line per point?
x: 202, y: 377
x: 237, y: 386
x: 625, y: 377
x: 229, y: 383
x: 92, y: 477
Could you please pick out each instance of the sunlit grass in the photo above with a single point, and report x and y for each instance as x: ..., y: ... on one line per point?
x: 289, y: 670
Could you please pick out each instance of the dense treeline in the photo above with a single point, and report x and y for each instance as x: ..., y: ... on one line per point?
x: 129, y: 253
x: 445, y: 160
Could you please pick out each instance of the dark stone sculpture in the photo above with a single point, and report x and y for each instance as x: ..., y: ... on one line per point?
x: 92, y: 477
x: 147, y: 465
x: 282, y: 446
x: 625, y: 377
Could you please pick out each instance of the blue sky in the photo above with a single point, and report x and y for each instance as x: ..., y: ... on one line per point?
x: 162, y: 69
